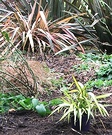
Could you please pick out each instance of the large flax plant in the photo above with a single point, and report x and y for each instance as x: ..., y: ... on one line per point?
x: 98, y: 17
x: 30, y: 27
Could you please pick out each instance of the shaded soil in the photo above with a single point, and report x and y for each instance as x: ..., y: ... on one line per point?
x: 29, y: 123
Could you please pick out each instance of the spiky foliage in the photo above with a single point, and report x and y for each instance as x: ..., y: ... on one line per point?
x: 99, y: 18
x: 79, y: 101
x: 29, y: 28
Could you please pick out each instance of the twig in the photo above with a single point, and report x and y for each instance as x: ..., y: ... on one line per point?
x: 76, y: 131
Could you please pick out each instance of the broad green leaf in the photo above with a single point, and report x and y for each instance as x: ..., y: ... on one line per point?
x: 35, y: 102
x: 26, y: 103
x: 55, y: 101
x: 41, y: 110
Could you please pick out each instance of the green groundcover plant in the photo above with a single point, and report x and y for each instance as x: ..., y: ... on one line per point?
x: 98, y: 83
x: 9, y: 101
x: 103, y: 74
x: 105, y: 71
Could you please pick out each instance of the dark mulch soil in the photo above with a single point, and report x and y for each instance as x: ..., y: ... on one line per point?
x: 29, y: 123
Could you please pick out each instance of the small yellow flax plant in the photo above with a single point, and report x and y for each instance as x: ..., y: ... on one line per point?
x: 79, y: 101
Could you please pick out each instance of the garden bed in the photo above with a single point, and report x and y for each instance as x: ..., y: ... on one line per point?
x: 30, y: 123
